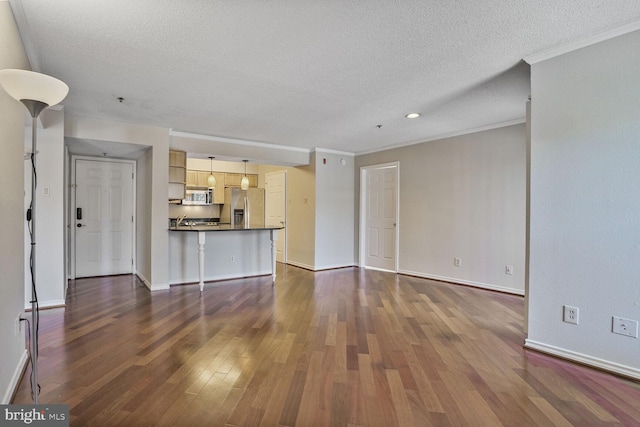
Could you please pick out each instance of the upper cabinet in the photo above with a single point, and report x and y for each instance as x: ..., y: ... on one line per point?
x: 197, y: 175
x: 200, y: 179
x: 235, y: 179
x: 177, y: 174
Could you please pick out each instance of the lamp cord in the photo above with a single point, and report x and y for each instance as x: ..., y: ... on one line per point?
x: 34, y: 292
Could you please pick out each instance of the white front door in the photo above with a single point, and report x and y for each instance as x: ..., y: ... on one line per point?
x: 380, y: 199
x: 103, y: 218
x: 275, y: 208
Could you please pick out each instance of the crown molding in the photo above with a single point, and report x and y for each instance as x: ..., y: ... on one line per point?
x: 329, y: 151
x: 579, y: 44
x: 23, y: 30
x: 512, y: 122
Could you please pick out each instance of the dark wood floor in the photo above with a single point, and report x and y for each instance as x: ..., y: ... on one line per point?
x: 345, y: 347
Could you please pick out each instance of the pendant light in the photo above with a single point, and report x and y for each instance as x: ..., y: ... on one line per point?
x: 244, y: 184
x: 211, y: 180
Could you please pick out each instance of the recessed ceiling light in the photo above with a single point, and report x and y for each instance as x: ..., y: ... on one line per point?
x: 412, y: 115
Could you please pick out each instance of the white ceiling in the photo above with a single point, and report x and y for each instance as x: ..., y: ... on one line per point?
x: 314, y: 73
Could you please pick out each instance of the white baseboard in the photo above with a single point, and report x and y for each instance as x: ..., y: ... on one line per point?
x: 301, y: 265
x: 47, y: 304
x: 464, y: 282
x: 368, y: 267
x: 15, y: 378
x: 319, y: 267
x: 584, y: 359
x: 216, y: 278
x: 143, y: 279
x: 332, y: 266
x: 148, y: 284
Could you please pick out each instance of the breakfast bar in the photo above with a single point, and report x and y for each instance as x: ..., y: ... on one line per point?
x: 228, y: 251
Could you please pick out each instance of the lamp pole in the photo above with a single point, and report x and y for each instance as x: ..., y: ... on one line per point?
x: 34, y: 108
x: 35, y: 315
x: 37, y: 92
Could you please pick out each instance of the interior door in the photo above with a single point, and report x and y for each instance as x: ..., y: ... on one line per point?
x: 381, y: 199
x: 103, y: 218
x: 275, y: 208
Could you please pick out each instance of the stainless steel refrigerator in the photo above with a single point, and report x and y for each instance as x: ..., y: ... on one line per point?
x: 243, y: 207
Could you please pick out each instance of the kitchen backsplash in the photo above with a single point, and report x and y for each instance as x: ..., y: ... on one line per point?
x: 212, y: 211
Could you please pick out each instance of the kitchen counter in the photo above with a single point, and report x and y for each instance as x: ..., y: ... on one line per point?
x: 251, y: 251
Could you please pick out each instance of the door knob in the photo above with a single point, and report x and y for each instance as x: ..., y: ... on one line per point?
x: 78, y: 225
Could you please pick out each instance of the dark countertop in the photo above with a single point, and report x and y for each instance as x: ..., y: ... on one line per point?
x: 222, y: 227
x: 196, y: 221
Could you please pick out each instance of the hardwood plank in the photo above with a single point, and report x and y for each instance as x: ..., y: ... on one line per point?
x: 399, y: 398
x: 346, y: 347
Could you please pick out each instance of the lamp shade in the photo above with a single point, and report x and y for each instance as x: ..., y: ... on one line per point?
x: 244, y: 184
x: 211, y: 181
x: 29, y: 85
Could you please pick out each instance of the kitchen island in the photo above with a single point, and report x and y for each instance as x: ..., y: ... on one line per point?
x: 218, y: 252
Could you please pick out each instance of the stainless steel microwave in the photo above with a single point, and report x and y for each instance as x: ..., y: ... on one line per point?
x: 198, y: 197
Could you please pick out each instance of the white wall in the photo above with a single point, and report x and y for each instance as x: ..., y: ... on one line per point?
x: 585, y: 202
x: 49, y: 215
x: 12, y: 114
x: 301, y: 212
x: 335, y: 206
x: 462, y: 197
x: 251, y: 250
x: 301, y: 216
x: 144, y: 204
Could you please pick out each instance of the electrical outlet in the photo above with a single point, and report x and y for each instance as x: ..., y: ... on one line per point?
x: 508, y: 270
x: 570, y: 314
x: 627, y: 327
x: 457, y: 262
x: 232, y: 258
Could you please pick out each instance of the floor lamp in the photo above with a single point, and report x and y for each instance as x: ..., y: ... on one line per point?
x: 37, y: 92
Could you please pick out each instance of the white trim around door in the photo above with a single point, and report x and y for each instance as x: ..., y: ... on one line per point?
x: 389, y: 203
x: 71, y: 225
x: 276, y: 209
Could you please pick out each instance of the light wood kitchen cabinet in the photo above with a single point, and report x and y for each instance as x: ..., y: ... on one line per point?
x: 192, y: 178
x: 177, y: 174
x: 200, y: 179
x: 218, y: 192
x: 203, y: 179
x: 235, y: 179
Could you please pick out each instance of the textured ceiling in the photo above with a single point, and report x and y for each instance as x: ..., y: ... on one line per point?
x: 305, y: 73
